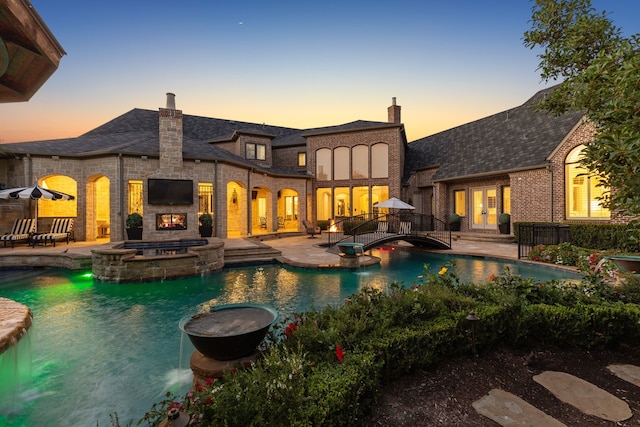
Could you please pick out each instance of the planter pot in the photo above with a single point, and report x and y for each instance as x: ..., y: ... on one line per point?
x: 206, y: 230
x: 504, y: 228
x: 229, y: 331
x: 454, y: 226
x: 134, y: 233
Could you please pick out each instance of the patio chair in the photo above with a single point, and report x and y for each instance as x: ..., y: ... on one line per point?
x: 61, y: 229
x: 280, y: 222
x: 383, y: 227
x: 22, y: 230
x: 312, y: 229
x: 405, y: 227
x: 263, y: 222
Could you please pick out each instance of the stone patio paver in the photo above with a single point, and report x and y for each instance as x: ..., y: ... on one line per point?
x: 584, y: 395
x: 507, y: 409
x: 629, y: 373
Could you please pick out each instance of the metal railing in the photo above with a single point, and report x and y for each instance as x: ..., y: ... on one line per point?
x: 370, y: 229
x: 531, y: 235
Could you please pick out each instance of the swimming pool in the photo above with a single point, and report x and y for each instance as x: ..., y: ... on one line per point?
x: 90, y: 345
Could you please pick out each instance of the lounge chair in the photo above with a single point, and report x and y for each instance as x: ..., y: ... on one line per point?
x: 61, y: 229
x: 405, y: 227
x: 312, y: 229
x: 22, y: 230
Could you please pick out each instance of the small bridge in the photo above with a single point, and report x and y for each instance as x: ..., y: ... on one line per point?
x: 373, y: 230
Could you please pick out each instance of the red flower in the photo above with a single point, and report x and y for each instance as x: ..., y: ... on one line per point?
x: 209, y: 381
x: 492, y: 277
x: 339, y: 353
x: 208, y: 400
x: 200, y: 388
x: 289, y: 330
x: 234, y: 371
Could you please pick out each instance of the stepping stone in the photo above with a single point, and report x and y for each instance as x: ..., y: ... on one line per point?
x: 507, y: 409
x: 629, y: 373
x: 585, y: 396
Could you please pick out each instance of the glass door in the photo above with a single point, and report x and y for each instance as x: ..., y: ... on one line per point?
x: 484, y: 208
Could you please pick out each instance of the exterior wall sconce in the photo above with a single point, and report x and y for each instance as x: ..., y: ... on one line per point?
x: 234, y: 196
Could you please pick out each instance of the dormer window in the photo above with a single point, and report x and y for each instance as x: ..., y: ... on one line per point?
x: 256, y: 151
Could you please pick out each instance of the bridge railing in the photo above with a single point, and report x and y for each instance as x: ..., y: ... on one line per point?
x: 369, y: 228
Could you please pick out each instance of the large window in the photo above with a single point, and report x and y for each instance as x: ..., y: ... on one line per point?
x: 256, y: 151
x: 379, y: 193
x: 360, y: 162
x: 323, y: 164
x: 323, y: 203
x: 205, y: 197
x: 506, y: 199
x: 360, y: 200
x: 380, y: 160
x: 341, y: 163
x: 135, y: 196
x: 342, y: 206
x: 583, y: 190
x: 460, y: 202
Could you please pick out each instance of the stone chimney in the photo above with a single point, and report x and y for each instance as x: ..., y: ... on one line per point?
x: 170, y: 127
x: 394, y: 112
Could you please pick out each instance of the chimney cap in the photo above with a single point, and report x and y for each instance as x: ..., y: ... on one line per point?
x: 171, y: 101
x: 393, y: 101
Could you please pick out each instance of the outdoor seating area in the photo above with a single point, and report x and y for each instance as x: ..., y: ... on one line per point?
x: 61, y: 229
x: 21, y: 231
x: 311, y: 229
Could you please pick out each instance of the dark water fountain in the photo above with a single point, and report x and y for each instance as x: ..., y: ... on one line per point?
x: 229, y: 332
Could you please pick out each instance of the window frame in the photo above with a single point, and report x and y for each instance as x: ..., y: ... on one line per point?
x: 255, y: 151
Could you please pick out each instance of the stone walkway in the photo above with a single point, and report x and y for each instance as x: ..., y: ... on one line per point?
x: 509, y: 410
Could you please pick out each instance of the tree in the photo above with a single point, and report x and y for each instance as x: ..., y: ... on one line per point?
x: 599, y: 70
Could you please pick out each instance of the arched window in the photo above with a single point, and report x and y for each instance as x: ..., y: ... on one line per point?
x: 360, y: 162
x: 341, y: 163
x: 583, y: 189
x: 380, y: 160
x: 323, y: 164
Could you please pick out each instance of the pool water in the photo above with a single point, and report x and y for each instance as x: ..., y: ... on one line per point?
x: 97, y: 348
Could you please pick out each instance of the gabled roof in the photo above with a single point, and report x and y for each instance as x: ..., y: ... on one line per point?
x: 137, y: 133
x: 520, y: 138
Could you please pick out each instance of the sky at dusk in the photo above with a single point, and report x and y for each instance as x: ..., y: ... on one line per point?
x: 287, y: 63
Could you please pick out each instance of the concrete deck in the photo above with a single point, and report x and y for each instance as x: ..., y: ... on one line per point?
x: 296, y: 250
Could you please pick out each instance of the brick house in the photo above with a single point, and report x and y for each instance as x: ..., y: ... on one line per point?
x: 257, y: 178
x: 522, y: 161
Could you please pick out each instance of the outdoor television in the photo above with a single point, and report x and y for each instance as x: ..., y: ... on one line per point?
x: 170, y: 191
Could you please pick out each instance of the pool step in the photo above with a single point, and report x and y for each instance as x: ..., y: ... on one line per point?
x: 250, y: 254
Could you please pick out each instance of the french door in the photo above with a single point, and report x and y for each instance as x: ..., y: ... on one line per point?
x: 484, y: 214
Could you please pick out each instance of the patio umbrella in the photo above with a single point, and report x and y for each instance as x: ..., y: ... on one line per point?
x: 34, y: 192
x: 393, y: 203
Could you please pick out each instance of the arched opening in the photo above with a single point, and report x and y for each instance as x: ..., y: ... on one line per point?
x: 288, y: 210
x: 261, y: 211
x: 98, y: 210
x: 236, y: 209
x: 47, y: 210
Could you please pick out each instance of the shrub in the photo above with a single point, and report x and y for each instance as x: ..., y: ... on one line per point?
x: 134, y: 220
x: 323, y: 367
x: 206, y: 220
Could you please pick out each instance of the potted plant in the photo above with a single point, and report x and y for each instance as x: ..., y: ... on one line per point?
x: 134, y: 226
x: 504, y: 223
x: 206, y: 225
x: 454, y: 222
